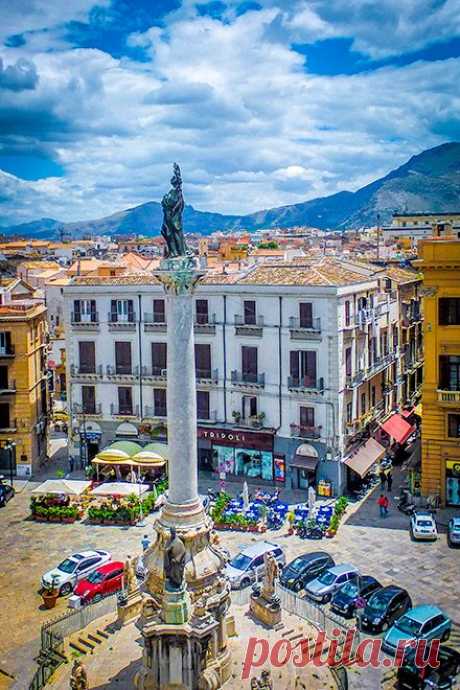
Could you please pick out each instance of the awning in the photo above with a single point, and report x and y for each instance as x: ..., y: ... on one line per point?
x: 119, y: 489
x: 67, y: 487
x: 398, y: 428
x: 367, y: 455
x: 303, y: 462
x: 407, y: 413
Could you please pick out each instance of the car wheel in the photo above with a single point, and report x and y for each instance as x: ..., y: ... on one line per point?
x: 65, y: 589
x: 445, y: 636
x: 298, y: 587
x: 412, y: 537
x: 326, y: 599
x: 245, y: 583
x: 384, y: 627
x: 449, y: 543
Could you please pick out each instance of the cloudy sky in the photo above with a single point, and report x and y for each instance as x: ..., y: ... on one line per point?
x: 263, y: 103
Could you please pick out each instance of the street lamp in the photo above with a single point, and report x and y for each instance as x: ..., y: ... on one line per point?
x: 10, y: 446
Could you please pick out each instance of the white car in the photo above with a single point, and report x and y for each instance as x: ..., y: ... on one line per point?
x: 74, y: 568
x: 423, y: 525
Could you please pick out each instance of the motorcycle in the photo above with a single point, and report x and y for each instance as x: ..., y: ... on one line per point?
x: 404, y: 504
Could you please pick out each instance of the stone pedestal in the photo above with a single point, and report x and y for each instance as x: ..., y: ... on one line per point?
x: 176, y: 607
x: 267, y: 612
x: 129, y: 607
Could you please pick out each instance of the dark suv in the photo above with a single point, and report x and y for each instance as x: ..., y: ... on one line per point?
x: 384, y: 608
x: 344, y: 602
x: 304, y: 569
x: 441, y: 678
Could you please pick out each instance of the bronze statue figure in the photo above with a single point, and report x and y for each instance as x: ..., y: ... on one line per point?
x: 174, y: 562
x: 173, y: 207
x: 78, y: 677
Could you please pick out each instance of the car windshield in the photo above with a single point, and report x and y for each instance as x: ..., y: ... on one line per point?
x: 424, y: 523
x: 241, y: 562
x: 327, y: 578
x: 67, y: 566
x: 95, y: 577
x: 378, y: 603
x: 297, y: 565
x: 350, y: 588
x: 408, y: 625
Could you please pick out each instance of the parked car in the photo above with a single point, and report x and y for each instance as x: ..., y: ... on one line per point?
x: 75, y: 568
x: 323, y: 587
x: 6, y: 493
x: 304, y: 569
x: 248, y: 565
x: 384, y: 607
x: 344, y: 602
x: 441, y: 678
x: 423, y: 526
x: 453, y: 532
x: 420, y: 623
x: 101, y: 582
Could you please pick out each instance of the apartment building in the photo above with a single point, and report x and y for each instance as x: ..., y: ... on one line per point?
x: 295, y: 364
x: 440, y: 264
x: 23, y: 387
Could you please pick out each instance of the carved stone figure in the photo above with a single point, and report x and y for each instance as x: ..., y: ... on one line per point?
x: 263, y: 683
x: 129, y: 576
x: 78, y: 677
x: 173, y: 207
x: 174, y: 562
x: 271, y: 573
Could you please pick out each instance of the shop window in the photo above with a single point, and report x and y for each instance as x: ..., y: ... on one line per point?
x: 449, y: 311
x: 243, y: 462
x: 453, y: 425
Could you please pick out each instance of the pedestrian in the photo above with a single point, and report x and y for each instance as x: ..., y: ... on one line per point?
x: 389, y: 480
x: 383, y: 479
x: 71, y: 463
x: 145, y: 542
x: 383, y: 505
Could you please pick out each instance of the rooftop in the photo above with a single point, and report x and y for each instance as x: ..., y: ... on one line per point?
x: 21, y: 309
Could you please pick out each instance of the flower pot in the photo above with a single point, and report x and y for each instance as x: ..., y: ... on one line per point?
x: 50, y: 598
x: 290, y: 530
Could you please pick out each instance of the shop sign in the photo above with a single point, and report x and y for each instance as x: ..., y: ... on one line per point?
x: 236, y: 437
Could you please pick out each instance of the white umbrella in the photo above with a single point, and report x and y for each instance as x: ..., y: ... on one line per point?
x: 245, y: 496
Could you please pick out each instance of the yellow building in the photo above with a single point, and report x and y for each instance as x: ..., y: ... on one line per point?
x: 440, y: 264
x: 23, y: 387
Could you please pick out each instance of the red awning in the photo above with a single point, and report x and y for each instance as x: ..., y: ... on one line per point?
x: 398, y: 428
x: 407, y: 413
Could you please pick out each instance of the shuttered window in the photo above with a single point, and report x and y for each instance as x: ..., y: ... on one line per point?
x: 87, y: 357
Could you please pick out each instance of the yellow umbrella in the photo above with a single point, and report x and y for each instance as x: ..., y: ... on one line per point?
x: 148, y: 458
x: 112, y: 455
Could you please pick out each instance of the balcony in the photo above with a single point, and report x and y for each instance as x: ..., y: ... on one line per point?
x: 207, y: 376
x: 352, y: 380
x: 85, y: 322
x: 155, y: 322
x: 121, y: 372
x: 305, y: 383
x: 7, y: 351
x: 448, y: 398
x: 87, y: 410
x: 118, y: 322
x: 305, y: 331
x: 379, y: 364
x: 249, y: 329
x: 255, y: 421
x: 85, y: 373
x: 210, y: 419
x: 205, y: 324
x: 125, y: 411
x: 8, y: 426
x: 151, y: 412
x: 411, y: 316
x: 299, y: 431
x: 154, y: 373
x: 364, y: 317
x: 247, y: 379
x: 7, y: 387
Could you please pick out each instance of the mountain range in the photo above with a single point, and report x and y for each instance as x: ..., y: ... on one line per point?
x: 429, y: 181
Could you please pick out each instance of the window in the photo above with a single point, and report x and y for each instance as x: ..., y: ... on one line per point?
x: 249, y: 406
x: 125, y: 400
x: 121, y: 310
x: 4, y: 416
x: 348, y: 361
x: 201, y: 306
x: 349, y: 412
x: 306, y: 315
x: 363, y: 403
x: 249, y: 363
x: 123, y: 364
x: 449, y: 372
x: 88, y: 399
x: 159, y: 402
x: 5, y: 343
x: 4, y: 377
x: 203, y: 361
x: 395, y: 337
x: 159, y: 356
x: 249, y: 312
x: 84, y: 310
x: 87, y: 357
x: 307, y: 417
x: 347, y: 313
x: 373, y: 396
x: 159, y: 311
x: 453, y: 424
x: 202, y: 404
x: 449, y: 311
x: 303, y: 367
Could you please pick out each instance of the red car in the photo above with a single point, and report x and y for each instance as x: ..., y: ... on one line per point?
x: 101, y: 582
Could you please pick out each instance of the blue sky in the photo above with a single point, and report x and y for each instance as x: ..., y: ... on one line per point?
x: 263, y: 103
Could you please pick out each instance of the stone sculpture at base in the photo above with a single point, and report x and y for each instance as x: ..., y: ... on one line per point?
x: 78, y: 677
x: 264, y: 604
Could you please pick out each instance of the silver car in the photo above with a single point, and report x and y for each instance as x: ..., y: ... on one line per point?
x: 249, y: 566
x: 323, y: 587
x: 453, y: 532
x: 74, y: 568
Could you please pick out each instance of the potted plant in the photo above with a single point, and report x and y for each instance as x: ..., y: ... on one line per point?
x: 291, y: 520
x: 333, y: 526
x: 236, y: 416
x: 50, y: 594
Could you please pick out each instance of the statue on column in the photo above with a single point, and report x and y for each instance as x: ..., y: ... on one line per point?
x: 271, y: 573
x: 129, y: 576
x: 174, y: 562
x: 173, y: 207
x: 78, y: 677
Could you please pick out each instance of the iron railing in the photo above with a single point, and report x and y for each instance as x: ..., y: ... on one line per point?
x: 249, y: 378
x: 314, y: 325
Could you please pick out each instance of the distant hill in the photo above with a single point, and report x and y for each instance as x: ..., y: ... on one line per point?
x: 429, y: 181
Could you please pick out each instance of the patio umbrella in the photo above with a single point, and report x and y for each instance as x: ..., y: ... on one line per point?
x: 148, y: 458
x: 245, y: 496
x: 160, y: 449
x: 67, y: 487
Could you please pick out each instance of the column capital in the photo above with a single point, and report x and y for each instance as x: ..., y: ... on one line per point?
x: 179, y: 274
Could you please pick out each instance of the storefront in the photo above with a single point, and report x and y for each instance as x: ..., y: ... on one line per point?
x: 361, y: 462
x: 234, y: 454
x: 453, y: 482
x: 304, y: 464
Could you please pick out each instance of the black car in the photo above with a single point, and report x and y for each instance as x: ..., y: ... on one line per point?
x: 345, y: 599
x: 6, y: 492
x: 441, y: 678
x: 384, y: 607
x: 305, y: 568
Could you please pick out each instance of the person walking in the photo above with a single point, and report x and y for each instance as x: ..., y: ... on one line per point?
x: 383, y: 479
x: 145, y: 541
x: 389, y: 480
x: 383, y: 503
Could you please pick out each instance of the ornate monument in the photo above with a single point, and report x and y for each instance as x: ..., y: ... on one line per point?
x: 130, y: 599
x: 264, y: 604
x: 184, y: 615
